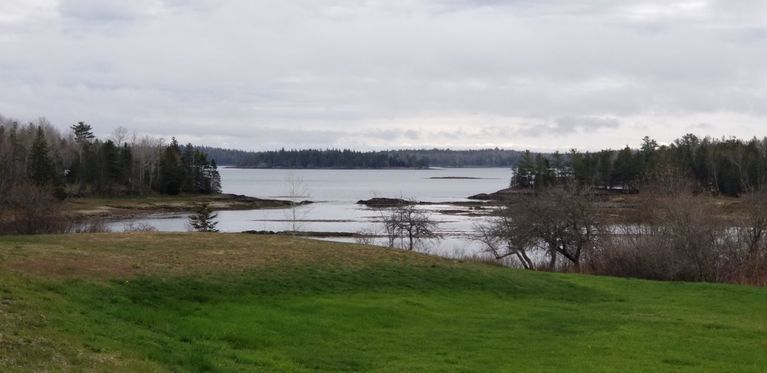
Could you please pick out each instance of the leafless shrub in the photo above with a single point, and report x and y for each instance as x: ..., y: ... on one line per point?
x: 748, y: 241
x: 365, y: 237
x: 682, y: 235
x: 138, y: 227
x: 92, y: 225
x: 31, y: 209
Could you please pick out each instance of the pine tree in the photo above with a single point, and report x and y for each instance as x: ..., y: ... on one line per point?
x: 83, y: 133
x: 524, y: 174
x: 203, y: 220
x: 171, y: 169
x: 41, y: 169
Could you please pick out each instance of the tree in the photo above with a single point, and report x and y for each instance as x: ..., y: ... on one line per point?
x: 83, y: 133
x: 409, y: 224
x: 648, y: 151
x: 502, y: 237
x: 562, y: 221
x: 119, y: 135
x: 204, y: 219
x: 297, y: 191
x: 524, y: 174
x: 211, y: 173
x: 42, y: 171
x: 626, y: 169
x: 171, y: 170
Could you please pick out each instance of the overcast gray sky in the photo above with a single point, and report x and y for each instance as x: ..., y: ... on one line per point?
x: 263, y: 74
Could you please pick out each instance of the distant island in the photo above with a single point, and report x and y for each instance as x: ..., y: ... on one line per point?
x: 352, y: 159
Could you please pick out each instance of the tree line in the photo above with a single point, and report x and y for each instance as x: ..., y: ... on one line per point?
x: 728, y: 166
x: 558, y: 215
x: 673, y: 233
x: 335, y: 158
x: 39, y: 165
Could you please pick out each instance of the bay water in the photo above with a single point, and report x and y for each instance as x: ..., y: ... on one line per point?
x: 335, y: 193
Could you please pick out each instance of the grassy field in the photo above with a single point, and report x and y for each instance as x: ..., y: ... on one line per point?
x: 207, y: 302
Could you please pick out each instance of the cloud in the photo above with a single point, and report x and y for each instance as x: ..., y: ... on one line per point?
x: 700, y: 127
x: 545, y: 74
x: 106, y: 11
x: 21, y: 11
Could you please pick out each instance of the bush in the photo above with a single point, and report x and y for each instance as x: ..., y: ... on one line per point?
x: 31, y: 209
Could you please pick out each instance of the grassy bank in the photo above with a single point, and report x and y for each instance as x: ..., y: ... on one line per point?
x: 235, y: 301
x: 141, y: 205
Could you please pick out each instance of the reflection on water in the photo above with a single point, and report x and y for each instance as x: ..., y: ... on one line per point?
x: 336, y: 193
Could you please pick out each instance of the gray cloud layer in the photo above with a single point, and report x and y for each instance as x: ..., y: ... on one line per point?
x: 541, y: 74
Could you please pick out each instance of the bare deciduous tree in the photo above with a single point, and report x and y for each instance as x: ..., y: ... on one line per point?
x: 502, y: 238
x: 119, y: 135
x: 297, y: 194
x: 564, y: 222
x: 409, y: 225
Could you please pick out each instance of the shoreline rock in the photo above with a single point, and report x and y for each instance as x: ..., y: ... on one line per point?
x: 385, y: 202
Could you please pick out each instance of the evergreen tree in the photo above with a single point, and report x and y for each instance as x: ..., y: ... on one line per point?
x: 41, y: 169
x: 171, y: 169
x: 648, y: 150
x: 83, y: 133
x: 204, y: 219
x: 524, y: 175
x: 625, y: 169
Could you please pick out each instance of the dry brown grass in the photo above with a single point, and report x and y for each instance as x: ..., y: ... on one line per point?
x: 126, y: 255
x: 138, y: 205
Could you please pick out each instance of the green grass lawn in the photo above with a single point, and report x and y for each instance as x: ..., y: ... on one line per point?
x: 208, y: 302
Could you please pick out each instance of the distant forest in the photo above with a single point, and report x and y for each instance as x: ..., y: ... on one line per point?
x: 334, y: 158
x: 726, y: 166
x: 37, y: 155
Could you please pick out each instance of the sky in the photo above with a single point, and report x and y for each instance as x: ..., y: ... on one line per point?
x: 366, y: 74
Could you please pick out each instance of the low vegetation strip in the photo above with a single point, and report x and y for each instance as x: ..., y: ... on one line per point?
x: 224, y: 302
x: 141, y: 205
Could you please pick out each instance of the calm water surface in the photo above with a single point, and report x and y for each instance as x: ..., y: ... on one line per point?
x: 335, y: 193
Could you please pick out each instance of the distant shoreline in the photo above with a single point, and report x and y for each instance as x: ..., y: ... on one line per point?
x: 434, y: 168
x: 462, y: 178
x: 137, y: 206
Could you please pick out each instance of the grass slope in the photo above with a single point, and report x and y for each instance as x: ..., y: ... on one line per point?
x: 207, y: 302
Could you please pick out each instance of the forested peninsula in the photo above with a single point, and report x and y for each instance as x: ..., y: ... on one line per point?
x: 40, y: 167
x: 351, y: 159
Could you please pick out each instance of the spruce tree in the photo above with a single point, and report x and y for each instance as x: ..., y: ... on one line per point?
x: 204, y: 219
x: 41, y: 169
x: 172, y: 172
